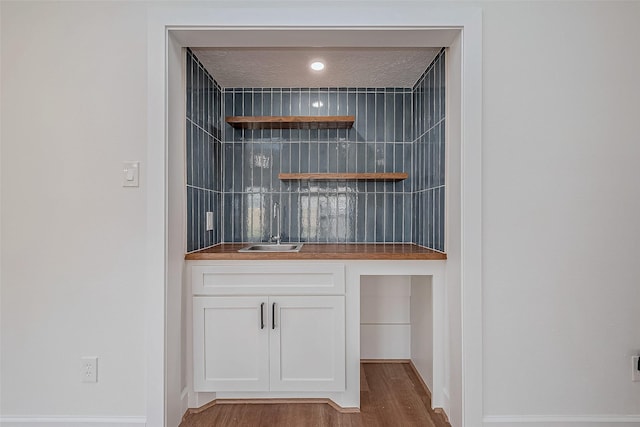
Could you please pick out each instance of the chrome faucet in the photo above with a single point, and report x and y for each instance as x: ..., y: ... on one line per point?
x: 276, y: 216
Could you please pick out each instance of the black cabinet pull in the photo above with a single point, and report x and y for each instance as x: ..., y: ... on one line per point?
x: 262, y: 316
x: 273, y: 316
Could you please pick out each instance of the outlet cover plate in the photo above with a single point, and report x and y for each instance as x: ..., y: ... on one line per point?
x: 89, y: 369
x: 209, y: 221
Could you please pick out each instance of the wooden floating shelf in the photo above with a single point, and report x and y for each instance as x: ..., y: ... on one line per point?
x: 291, y: 122
x: 386, y: 176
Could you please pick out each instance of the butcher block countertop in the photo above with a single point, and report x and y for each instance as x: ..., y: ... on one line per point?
x: 320, y: 251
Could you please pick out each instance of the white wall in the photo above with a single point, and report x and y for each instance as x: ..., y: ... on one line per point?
x: 561, y: 209
x: 422, y: 327
x: 385, y: 318
x: 73, y: 240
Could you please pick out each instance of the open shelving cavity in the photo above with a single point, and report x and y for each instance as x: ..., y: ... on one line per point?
x: 312, y: 122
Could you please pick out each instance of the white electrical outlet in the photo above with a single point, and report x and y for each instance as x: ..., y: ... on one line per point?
x: 89, y: 369
x: 635, y: 372
x: 209, y: 221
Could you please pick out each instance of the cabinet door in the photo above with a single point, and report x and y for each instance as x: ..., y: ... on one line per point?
x: 230, y: 344
x: 307, y: 343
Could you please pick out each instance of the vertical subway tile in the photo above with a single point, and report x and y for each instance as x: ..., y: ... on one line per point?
x: 409, y: 151
x: 370, y: 217
x: 361, y: 115
x: 360, y: 217
x: 408, y: 112
x: 344, y: 107
x: 227, y: 217
x: 380, y: 116
x: 407, y: 212
x: 332, y: 103
x: 351, y: 156
x: 339, y: 152
x: 189, y: 94
x: 370, y: 116
x: 189, y: 153
x: 294, y: 102
x: 398, y: 207
x: 247, y: 104
x: 256, y: 102
x: 361, y: 159
x: 398, y: 117
x: 378, y: 218
x: 190, y: 242
x: 417, y: 218
x: 389, y: 157
x: 352, y: 110
x: 233, y: 167
x: 324, y: 104
x: 285, y: 105
x: 206, y: 103
x: 442, y: 144
x: 322, y: 156
x: 206, y: 161
x: 285, y: 158
x: 305, y: 102
x: 389, y: 116
x: 294, y: 157
x: 388, y: 217
x: 198, y: 215
x: 237, y: 212
x: 247, y: 167
x: 441, y: 224
x: 266, y: 104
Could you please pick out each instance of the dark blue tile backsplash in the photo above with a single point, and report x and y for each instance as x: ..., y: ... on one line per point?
x: 429, y: 156
x: 318, y: 211
x: 234, y: 172
x: 203, y: 155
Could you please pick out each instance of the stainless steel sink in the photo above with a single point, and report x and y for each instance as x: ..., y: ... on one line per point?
x: 266, y: 247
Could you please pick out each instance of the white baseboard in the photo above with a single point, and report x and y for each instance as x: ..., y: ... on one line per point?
x: 184, y: 400
x: 24, y: 421
x: 562, y: 420
x: 446, y: 401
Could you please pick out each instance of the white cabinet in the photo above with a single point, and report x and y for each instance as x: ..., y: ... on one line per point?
x: 307, y: 344
x: 290, y: 337
x: 268, y: 279
x: 277, y: 343
x: 231, y: 348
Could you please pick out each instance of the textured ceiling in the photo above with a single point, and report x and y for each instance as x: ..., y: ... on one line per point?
x: 289, y: 67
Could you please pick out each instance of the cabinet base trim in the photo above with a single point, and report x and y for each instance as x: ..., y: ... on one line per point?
x: 329, y: 402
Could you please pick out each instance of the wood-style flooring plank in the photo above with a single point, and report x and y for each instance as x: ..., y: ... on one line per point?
x: 393, y: 396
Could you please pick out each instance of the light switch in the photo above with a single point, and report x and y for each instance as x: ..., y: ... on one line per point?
x: 131, y: 174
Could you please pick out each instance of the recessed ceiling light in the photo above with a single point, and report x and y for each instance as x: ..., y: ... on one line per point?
x: 317, y: 104
x: 317, y: 66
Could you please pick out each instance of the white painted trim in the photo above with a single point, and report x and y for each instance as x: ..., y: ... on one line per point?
x: 72, y: 421
x: 562, y: 419
x: 471, y: 256
x: 156, y: 182
x: 184, y: 400
x: 412, y: 16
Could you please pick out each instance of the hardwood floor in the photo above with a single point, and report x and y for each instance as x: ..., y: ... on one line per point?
x: 391, y: 395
